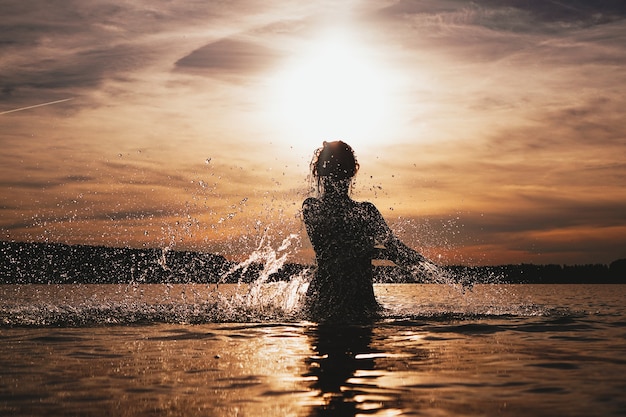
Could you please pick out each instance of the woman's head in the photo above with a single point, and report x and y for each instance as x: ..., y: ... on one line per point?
x: 333, y: 166
x: 335, y: 161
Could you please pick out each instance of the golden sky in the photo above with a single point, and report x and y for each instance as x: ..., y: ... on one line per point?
x: 487, y: 132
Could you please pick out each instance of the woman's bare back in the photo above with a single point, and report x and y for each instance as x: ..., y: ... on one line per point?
x: 342, y: 233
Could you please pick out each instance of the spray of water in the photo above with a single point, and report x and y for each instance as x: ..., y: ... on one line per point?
x: 282, y: 298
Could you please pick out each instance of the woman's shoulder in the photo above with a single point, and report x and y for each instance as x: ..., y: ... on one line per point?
x: 310, y: 202
x: 367, y: 206
x: 311, y: 206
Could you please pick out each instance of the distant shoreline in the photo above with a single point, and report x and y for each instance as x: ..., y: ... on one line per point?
x: 57, y: 263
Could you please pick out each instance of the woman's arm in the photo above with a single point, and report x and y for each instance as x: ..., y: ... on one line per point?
x: 388, y: 245
x: 404, y: 255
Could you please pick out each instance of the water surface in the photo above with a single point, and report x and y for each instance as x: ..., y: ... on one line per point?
x: 177, y: 350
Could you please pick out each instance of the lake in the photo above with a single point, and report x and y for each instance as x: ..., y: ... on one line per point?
x: 229, y: 350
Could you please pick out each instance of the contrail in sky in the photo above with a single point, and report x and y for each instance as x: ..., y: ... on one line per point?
x: 36, y: 105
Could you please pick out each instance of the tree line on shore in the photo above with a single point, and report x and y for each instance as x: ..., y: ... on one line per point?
x: 54, y: 263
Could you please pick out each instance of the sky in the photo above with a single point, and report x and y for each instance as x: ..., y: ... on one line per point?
x: 487, y: 132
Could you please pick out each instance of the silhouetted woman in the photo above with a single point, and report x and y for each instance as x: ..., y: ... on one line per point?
x: 346, y: 235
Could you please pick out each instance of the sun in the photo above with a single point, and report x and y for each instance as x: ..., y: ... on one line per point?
x: 334, y: 88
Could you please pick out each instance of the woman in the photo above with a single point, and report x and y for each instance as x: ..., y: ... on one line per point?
x: 346, y: 235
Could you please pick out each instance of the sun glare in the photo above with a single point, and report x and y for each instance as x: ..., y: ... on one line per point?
x: 334, y: 88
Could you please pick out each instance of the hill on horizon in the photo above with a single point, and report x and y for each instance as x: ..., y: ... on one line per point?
x: 48, y: 263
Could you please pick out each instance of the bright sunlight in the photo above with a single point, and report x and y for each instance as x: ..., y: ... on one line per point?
x: 334, y: 88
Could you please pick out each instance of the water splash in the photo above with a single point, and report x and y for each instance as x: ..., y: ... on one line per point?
x: 271, y: 259
x: 82, y: 305
x: 283, y: 297
x: 429, y: 272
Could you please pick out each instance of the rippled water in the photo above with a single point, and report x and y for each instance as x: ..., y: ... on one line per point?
x: 197, y: 350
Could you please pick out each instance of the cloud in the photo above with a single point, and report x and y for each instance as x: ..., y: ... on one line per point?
x: 511, y: 14
x: 581, y: 12
x: 500, y: 29
x: 69, y: 46
x: 68, y: 73
x: 555, y: 232
x: 551, y: 213
x: 227, y: 56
